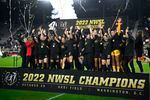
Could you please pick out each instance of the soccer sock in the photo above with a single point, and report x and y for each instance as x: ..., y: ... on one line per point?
x: 58, y: 65
x: 52, y: 65
x: 79, y: 66
x: 35, y: 66
x: 40, y: 65
x: 122, y: 70
x: 132, y: 67
x: 63, y: 66
x: 104, y: 68
x: 108, y: 68
x: 45, y: 66
x: 72, y: 65
x: 82, y: 67
x: 118, y: 68
x: 67, y: 65
x: 114, y: 68
x: 96, y: 68
x: 140, y: 65
x: 100, y: 69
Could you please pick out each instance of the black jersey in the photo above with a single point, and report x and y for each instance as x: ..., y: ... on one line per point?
x: 98, y: 44
x: 23, y: 48
x: 69, y: 47
x: 89, y: 47
x: 89, y: 53
x: 101, y: 48
x: 139, y: 46
x: 75, y: 44
x: 105, y: 44
x: 130, y: 46
x: 106, y: 49
x: 35, y: 48
x: 81, y: 46
x: 54, y: 48
x: 42, y: 47
x: 42, y: 50
x: 63, y: 50
x: 117, y: 42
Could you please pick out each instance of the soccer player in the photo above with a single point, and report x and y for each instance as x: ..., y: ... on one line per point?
x: 128, y: 52
x: 35, y: 49
x: 139, y: 49
x: 62, y: 52
x: 81, y: 49
x: 116, y: 44
x: 105, y: 51
x: 54, y: 51
x: 97, y: 49
x: 75, y: 48
x: 69, y: 49
x: 43, y: 49
x: 23, y: 50
x: 89, y: 51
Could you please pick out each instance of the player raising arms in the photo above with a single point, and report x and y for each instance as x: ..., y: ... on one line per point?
x: 89, y: 50
x: 97, y: 49
x: 105, y: 50
x: 43, y: 48
x: 128, y: 51
x: 139, y: 49
x: 62, y: 52
x: 69, y: 49
x: 116, y: 44
x: 80, y: 48
x: 54, y: 46
x: 35, y: 49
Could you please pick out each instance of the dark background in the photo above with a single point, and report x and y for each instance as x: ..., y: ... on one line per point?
x: 136, y: 9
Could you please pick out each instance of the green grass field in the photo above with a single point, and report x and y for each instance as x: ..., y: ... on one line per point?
x: 6, y: 94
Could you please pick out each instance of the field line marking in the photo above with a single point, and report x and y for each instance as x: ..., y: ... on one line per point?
x: 56, y: 96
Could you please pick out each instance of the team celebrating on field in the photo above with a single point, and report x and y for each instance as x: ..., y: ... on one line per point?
x: 92, y: 49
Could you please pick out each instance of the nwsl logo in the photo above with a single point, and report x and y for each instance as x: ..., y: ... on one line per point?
x: 10, y: 78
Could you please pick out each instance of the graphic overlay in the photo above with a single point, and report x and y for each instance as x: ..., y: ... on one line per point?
x: 89, y: 83
x: 10, y: 78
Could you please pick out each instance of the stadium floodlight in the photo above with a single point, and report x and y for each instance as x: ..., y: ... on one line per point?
x: 62, y: 9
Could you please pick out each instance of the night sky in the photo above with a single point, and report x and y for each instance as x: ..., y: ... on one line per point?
x: 94, y: 9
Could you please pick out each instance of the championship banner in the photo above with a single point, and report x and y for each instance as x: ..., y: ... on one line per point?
x: 77, y: 82
x: 60, y: 25
x: 82, y: 23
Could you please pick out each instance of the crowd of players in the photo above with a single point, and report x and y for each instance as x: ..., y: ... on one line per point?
x: 82, y: 49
